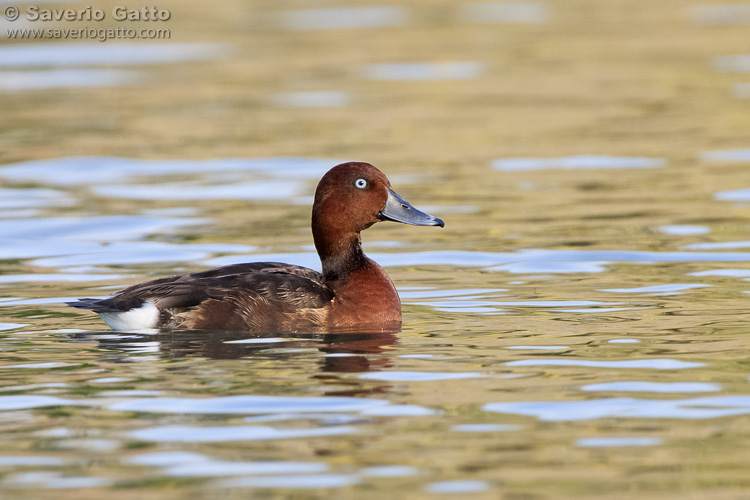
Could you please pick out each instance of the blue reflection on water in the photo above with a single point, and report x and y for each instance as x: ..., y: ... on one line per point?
x: 30, y: 461
x: 259, y: 190
x: 389, y: 471
x: 731, y: 273
x: 231, y: 433
x: 732, y: 64
x: 32, y: 198
x: 656, y: 289
x: 665, y: 387
x: 734, y: 194
x: 506, y: 12
x: 484, y: 428
x: 302, y: 481
x: 607, y: 442
x: 247, y: 404
x: 576, y: 162
x: 721, y: 15
x: 312, y: 99
x: 726, y: 155
x: 424, y: 71
x: 344, y: 18
x: 225, y: 468
x: 110, y: 228
x: 105, y: 169
x: 95, y: 53
x: 695, y: 408
x: 683, y: 229
x: 459, y: 486
x: 14, y: 81
x: 407, y: 376
x: 656, y: 364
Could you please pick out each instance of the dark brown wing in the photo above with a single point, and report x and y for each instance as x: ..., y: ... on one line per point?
x: 259, y: 292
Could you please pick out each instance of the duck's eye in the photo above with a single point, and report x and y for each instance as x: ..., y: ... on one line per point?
x: 360, y: 183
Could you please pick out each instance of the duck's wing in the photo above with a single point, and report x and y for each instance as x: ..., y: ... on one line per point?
x: 239, y: 296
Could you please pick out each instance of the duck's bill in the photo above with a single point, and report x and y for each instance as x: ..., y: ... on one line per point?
x: 398, y: 209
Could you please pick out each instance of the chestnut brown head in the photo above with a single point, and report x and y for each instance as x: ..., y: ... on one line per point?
x: 353, y: 196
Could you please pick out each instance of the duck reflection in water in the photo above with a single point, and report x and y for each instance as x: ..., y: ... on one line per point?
x: 346, y: 351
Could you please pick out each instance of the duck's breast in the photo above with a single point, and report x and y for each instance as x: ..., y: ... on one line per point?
x: 366, y: 296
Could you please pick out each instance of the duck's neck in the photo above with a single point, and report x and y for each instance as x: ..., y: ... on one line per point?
x: 364, y: 294
x: 340, y: 254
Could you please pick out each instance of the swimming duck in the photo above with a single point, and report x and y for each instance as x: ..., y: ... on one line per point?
x: 352, y: 290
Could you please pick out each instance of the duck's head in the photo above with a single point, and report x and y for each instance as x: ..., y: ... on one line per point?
x: 353, y: 196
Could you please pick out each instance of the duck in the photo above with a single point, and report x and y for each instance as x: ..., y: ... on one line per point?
x: 351, y: 292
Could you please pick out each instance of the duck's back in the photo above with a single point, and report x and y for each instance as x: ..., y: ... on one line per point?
x: 258, y: 296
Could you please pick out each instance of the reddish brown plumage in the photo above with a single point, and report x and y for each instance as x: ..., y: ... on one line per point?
x: 351, y: 291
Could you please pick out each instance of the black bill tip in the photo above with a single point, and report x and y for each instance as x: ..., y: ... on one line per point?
x: 399, y: 210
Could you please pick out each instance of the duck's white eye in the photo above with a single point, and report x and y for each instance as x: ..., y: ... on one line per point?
x: 360, y: 183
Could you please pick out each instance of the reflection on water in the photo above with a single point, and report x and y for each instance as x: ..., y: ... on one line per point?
x: 742, y: 90
x: 344, y: 18
x: 696, y: 408
x: 232, y: 433
x: 683, y: 229
x: 270, y: 190
x: 657, y: 289
x: 104, y: 170
x: 655, y: 364
x: 31, y: 198
x: 576, y: 162
x: 726, y: 155
x: 459, y: 70
x: 616, y: 442
x: 318, y: 99
x: 506, y: 12
x: 731, y: 273
x: 15, y: 81
x: 457, y: 487
x: 105, y: 228
x: 734, y: 194
x: 721, y: 15
x: 96, y: 53
x: 653, y: 387
x: 732, y: 64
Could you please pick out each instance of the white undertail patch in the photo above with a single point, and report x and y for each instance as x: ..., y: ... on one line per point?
x: 142, y: 318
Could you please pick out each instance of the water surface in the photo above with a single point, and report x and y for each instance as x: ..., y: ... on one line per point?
x: 585, y: 308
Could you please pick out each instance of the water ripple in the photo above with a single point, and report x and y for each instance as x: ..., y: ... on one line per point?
x: 87, y: 53
x: 656, y: 364
x: 576, y: 162
x: 506, y: 12
x: 664, y: 387
x: 250, y: 404
x: 232, y: 433
x: 464, y: 486
x: 424, y: 71
x: 607, y: 442
x: 406, y: 376
x: 696, y: 408
x: 226, y: 468
x: 656, y: 289
x: 302, y: 482
x: 344, y: 18
x: 86, y: 170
